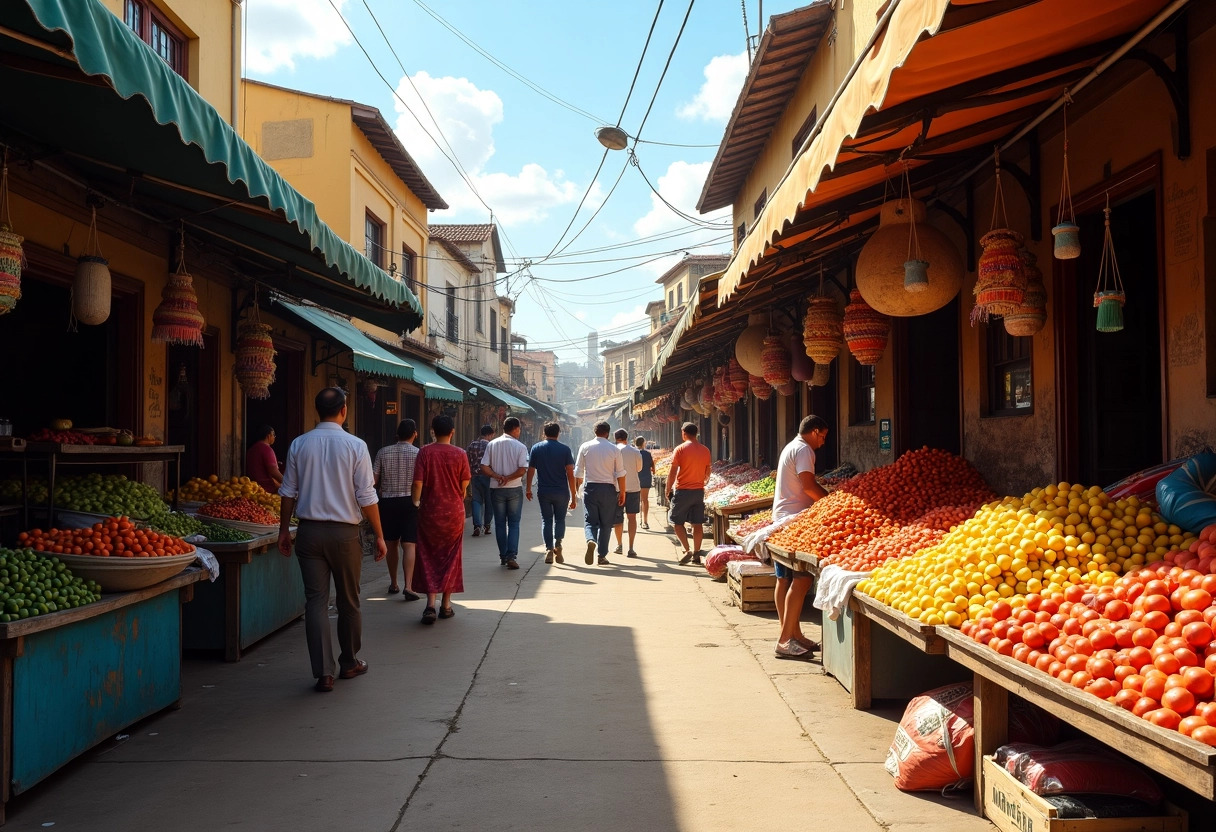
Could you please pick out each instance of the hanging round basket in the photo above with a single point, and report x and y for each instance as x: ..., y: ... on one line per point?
x: 865, y: 330
x: 750, y: 344
x: 11, y: 257
x: 1110, y: 310
x: 760, y: 388
x: 801, y: 365
x: 91, y: 290
x: 1001, y: 285
x: 1067, y: 241
x: 787, y: 389
x: 881, y: 275
x: 822, y: 332
x: 738, y: 378
x: 823, y: 374
x: 776, y: 362
x: 254, y: 368
x: 1031, y: 315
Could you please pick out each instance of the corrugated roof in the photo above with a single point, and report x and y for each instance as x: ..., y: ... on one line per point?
x: 457, y: 255
x: 788, y: 44
x: 716, y: 262
x: 472, y: 233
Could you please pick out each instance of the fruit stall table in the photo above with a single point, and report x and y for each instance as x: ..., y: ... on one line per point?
x: 722, y: 515
x: 56, y: 454
x: 258, y: 592
x: 73, y: 678
x: 1185, y: 761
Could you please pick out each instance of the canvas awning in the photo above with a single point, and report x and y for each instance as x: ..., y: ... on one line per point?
x: 87, y: 97
x: 369, y: 357
x: 485, y: 391
x: 433, y: 385
x: 937, y: 103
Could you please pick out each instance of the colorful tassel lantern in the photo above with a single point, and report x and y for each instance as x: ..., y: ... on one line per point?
x: 12, y: 255
x: 822, y: 329
x: 823, y: 374
x: 178, y: 320
x: 1030, y: 317
x: 1110, y: 310
x: 254, y: 368
x: 738, y: 378
x: 1001, y: 286
x: 776, y: 362
x: 865, y: 330
x: 1109, y: 295
x: 760, y: 388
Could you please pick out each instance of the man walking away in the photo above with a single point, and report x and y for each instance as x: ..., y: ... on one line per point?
x: 645, y: 480
x: 394, y: 471
x: 481, y: 483
x: 599, y: 465
x: 686, y: 494
x: 553, y: 463
x: 796, y: 489
x: 328, y: 483
x: 631, y: 458
x: 505, y: 462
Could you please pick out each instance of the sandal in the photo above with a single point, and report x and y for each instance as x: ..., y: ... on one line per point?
x: 447, y: 612
x: 393, y: 589
x: 428, y: 615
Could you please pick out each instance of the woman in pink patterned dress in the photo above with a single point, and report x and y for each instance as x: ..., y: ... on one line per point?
x: 441, y: 477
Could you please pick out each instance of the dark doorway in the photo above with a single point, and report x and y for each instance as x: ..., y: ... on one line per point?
x: 284, y: 410
x: 411, y: 408
x: 373, y: 423
x: 928, y: 387
x: 823, y: 404
x: 192, y: 405
x: 1118, y: 379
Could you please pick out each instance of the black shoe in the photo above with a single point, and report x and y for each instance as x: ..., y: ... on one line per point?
x: 409, y: 596
x: 687, y: 557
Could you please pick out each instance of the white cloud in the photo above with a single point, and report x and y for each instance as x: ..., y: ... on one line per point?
x: 279, y: 31
x: 581, y: 315
x: 611, y: 330
x: 467, y: 116
x: 724, y: 77
x: 681, y: 186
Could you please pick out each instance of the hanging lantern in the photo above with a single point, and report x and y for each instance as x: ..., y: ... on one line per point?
x: 1109, y: 297
x: 254, y: 368
x: 865, y: 330
x: 751, y: 343
x: 823, y: 374
x: 1001, y: 285
x: 1066, y: 233
x: 822, y: 334
x: 787, y: 389
x: 776, y: 361
x: 760, y: 388
x: 11, y: 252
x: 91, y: 283
x: 881, y: 275
x: 916, y: 268
x: 177, y: 320
x: 689, y: 398
x: 738, y: 378
x: 1029, y: 318
x: 801, y: 365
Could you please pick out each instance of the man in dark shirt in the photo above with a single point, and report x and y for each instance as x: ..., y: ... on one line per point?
x: 479, y: 488
x: 554, y: 464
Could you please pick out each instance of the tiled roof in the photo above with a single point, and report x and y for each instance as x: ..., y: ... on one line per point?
x: 716, y: 261
x: 472, y: 233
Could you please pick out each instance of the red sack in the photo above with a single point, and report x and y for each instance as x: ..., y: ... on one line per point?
x: 1078, y: 767
x: 715, y: 563
x: 934, y: 745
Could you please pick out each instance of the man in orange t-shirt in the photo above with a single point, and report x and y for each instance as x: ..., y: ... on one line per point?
x: 689, y: 473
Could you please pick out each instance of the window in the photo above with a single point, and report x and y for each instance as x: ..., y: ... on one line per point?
x: 503, y: 346
x: 154, y: 29
x: 740, y: 234
x: 680, y: 294
x: 1010, y: 388
x: 617, y: 374
x: 671, y: 299
x: 373, y: 239
x: 453, y: 321
x: 861, y: 410
x: 477, y: 314
x: 493, y: 331
x: 804, y: 131
x: 408, y: 264
x: 632, y: 371
x: 760, y: 203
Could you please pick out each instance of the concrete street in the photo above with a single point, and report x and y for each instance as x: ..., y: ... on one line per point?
x: 572, y: 697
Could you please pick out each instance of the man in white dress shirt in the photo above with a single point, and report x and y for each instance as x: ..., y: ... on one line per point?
x: 631, y: 458
x: 599, y: 465
x: 328, y: 483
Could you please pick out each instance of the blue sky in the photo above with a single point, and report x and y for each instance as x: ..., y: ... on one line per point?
x: 530, y: 159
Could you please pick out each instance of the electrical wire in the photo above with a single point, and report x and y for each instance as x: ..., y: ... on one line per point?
x: 717, y: 226
x: 666, y: 66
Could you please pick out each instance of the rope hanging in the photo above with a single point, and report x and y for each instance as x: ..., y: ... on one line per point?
x: 1109, y: 296
x: 1066, y: 233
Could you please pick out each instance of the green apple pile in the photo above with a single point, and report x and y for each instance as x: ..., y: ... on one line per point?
x: 35, y: 584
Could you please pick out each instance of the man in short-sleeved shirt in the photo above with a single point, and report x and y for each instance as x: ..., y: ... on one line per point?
x: 552, y: 463
x: 505, y: 462
x: 599, y: 464
x: 686, y: 491
x: 631, y: 458
x: 796, y: 489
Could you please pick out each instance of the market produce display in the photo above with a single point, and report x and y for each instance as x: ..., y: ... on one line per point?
x: 662, y: 462
x: 241, y: 509
x: 753, y: 523
x: 881, y: 502
x: 730, y: 482
x: 177, y: 524
x: 111, y: 494
x: 212, y: 489
x: 116, y: 537
x: 215, y: 533
x: 34, y: 584
x: 897, y: 541
x: 62, y: 437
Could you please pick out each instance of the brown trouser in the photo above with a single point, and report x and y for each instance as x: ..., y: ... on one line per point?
x: 326, y: 549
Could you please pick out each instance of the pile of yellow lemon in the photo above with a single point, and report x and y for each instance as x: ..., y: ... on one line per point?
x: 212, y: 489
x: 1039, y: 543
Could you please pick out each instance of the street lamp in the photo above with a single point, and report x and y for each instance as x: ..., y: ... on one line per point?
x: 613, y: 138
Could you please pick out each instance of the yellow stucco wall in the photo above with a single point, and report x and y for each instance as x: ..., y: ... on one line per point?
x: 214, y: 31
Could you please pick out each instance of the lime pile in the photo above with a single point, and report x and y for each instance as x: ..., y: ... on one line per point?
x: 34, y: 584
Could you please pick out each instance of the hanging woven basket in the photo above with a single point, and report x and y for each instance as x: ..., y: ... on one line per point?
x: 760, y: 388
x: 775, y: 359
x: 254, y: 367
x: 880, y: 272
x: 1001, y: 286
x: 1109, y: 295
x: 787, y: 389
x: 1030, y: 317
x: 738, y: 378
x: 91, y: 282
x: 865, y: 330
x: 823, y: 374
x: 11, y: 258
x: 822, y: 329
x: 177, y: 320
x: 751, y: 342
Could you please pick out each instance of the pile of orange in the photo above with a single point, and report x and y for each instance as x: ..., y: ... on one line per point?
x: 115, y: 537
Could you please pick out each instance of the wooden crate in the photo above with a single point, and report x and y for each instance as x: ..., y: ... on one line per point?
x: 1014, y: 808
x: 752, y: 593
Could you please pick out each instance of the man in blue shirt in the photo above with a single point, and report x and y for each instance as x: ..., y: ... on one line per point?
x: 553, y: 463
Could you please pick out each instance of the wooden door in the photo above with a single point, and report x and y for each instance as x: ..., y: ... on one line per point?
x: 928, y: 392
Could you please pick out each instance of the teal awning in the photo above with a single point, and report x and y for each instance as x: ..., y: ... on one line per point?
x: 83, y: 94
x: 370, y: 357
x: 433, y: 385
x: 486, y: 390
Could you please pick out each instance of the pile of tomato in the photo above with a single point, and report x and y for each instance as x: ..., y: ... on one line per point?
x: 115, y: 537
x: 897, y: 541
x: 241, y: 509
x: 1145, y: 644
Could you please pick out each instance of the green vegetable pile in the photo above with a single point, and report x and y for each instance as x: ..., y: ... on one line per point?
x: 111, y: 494
x: 177, y: 524
x: 215, y: 533
x: 35, y: 584
x: 762, y: 488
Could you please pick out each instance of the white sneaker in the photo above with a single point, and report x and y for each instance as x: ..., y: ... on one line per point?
x: 792, y: 650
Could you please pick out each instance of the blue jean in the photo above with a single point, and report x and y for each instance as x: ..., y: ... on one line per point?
x: 508, y: 507
x: 480, y: 488
x: 553, y: 514
x: 599, y: 505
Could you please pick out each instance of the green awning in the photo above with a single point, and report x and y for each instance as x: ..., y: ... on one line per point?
x: 486, y: 391
x: 370, y: 357
x: 83, y: 94
x: 433, y: 385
